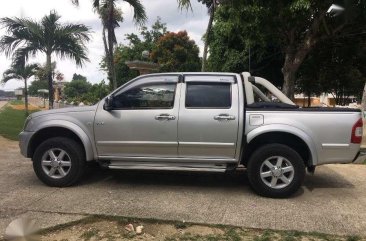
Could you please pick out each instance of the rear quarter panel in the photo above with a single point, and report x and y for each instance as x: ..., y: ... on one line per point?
x: 327, y: 133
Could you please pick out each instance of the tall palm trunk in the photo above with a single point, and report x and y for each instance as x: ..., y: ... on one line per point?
x: 50, y: 81
x: 207, y: 39
x: 111, y: 41
x: 26, y: 97
x: 107, y: 57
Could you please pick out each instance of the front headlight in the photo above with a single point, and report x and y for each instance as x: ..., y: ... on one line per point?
x: 29, y: 118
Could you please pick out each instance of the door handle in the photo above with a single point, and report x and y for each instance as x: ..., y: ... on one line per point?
x: 164, y: 117
x: 222, y: 117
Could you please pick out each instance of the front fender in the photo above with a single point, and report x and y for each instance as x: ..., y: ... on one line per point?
x: 90, y: 149
x: 287, y: 129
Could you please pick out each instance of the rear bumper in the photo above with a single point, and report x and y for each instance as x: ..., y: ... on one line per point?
x: 361, y: 156
x: 24, y: 138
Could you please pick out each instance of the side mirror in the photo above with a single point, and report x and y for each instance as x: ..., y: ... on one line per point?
x: 108, y: 103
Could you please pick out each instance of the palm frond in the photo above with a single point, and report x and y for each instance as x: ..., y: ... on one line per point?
x: 139, y: 15
x: 10, y: 71
x: 49, y: 24
x: 9, y: 74
x: 69, y: 46
x: 11, y: 24
x: 50, y: 20
x: 79, y: 31
x: 29, y: 70
x: 23, y: 72
x: 6, y: 78
x: 25, y: 38
x: 96, y: 4
x: 104, y: 16
x: 22, y: 54
x: 20, y: 27
x: 185, y: 4
x: 78, y: 54
x: 8, y: 44
x: 69, y: 41
x: 20, y: 32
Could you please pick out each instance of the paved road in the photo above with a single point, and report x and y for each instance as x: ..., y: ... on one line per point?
x: 332, y: 201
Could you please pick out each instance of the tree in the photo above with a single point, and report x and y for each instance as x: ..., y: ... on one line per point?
x: 26, y: 37
x: 21, y: 72
x: 80, y: 90
x: 212, y: 6
x: 77, y: 88
x: 336, y: 67
x: 308, y: 81
x: 41, y: 78
x: 229, y: 50
x: 110, y: 17
x: 76, y: 76
x: 297, y: 26
x: 36, y: 85
x: 176, y: 52
x: 341, y: 75
x: 146, y: 40
x: 96, y: 93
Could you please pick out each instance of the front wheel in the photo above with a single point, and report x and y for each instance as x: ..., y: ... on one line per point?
x: 59, y: 162
x: 276, y: 171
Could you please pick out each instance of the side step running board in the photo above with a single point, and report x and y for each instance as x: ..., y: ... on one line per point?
x: 167, y: 168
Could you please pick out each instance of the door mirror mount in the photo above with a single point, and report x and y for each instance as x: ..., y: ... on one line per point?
x: 108, y: 103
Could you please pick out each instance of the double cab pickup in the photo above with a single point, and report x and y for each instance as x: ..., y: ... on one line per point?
x: 204, y: 122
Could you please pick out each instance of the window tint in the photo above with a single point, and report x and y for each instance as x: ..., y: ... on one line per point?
x: 146, y: 96
x: 208, y: 95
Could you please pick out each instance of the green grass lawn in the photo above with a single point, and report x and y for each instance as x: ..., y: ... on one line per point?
x: 16, y: 102
x: 11, y: 122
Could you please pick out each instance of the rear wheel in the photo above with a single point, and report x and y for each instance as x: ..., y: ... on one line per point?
x: 59, y: 162
x: 276, y: 171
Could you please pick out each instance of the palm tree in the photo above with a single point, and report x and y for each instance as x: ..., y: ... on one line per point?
x: 211, y: 6
x: 110, y: 17
x: 21, y: 72
x: 26, y: 37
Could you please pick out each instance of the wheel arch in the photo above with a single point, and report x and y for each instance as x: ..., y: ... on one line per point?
x: 287, y: 135
x: 69, y: 130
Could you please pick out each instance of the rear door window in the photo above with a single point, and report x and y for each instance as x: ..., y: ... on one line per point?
x: 208, y: 95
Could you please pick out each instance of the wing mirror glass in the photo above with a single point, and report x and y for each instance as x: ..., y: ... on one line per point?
x: 108, y: 103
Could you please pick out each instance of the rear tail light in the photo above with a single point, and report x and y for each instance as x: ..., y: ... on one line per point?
x: 357, y: 130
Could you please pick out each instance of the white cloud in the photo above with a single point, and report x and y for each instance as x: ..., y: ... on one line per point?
x: 194, y: 22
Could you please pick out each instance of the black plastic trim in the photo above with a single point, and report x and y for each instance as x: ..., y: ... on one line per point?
x: 307, y: 109
x: 213, y: 74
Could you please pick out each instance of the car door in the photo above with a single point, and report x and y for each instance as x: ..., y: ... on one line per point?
x: 208, y: 117
x: 143, y: 120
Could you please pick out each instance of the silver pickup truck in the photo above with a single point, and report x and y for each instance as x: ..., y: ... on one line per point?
x: 206, y: 122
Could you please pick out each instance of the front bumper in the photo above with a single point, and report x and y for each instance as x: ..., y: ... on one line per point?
x: 24, y: 138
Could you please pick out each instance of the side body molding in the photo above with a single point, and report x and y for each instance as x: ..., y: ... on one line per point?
x: 287, y: 129
x: 90, y: 149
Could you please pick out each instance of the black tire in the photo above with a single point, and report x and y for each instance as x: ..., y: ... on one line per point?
x: 266, y: 153
x: 76, y: 156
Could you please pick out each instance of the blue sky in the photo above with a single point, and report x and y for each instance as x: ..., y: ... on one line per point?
x: 194, y: 22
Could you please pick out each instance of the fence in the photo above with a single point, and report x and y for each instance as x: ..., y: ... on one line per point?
x: 43, y: 103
